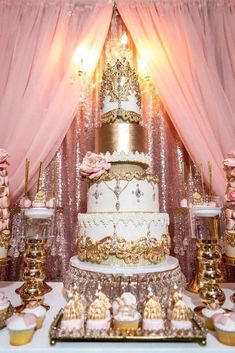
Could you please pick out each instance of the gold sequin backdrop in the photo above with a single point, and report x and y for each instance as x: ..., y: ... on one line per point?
x: 167, y: 154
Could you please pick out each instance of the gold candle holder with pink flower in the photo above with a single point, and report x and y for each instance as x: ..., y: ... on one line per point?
x: 229, y: 209
x: 4, y: 210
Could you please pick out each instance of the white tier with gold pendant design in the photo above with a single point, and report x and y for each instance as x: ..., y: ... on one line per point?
x: 123, y: 238
x: 134, y: 194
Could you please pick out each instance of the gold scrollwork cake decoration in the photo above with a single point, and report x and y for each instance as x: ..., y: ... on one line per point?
x: 124, y: 115
x: 130, y: 252
x: 110, y: 87
x: 108, y: 176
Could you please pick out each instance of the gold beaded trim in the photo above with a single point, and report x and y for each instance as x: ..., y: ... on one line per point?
x: 108, y: 176
x: 230, y: 238
x: 120, y: 114
x: 129, y: 251
x: 4, y: 239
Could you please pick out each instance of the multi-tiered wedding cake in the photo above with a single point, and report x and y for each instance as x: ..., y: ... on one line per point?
x: 122, y: 232
x: 122, y: 225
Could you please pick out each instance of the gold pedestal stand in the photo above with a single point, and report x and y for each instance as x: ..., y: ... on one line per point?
x: 34, y: 274
x: 210, y: 276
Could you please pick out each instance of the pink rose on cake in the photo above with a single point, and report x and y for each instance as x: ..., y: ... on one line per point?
x: 230, y: 195
x: 94, y: 165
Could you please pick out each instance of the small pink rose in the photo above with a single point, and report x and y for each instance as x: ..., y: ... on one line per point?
x: 230, y: 195
x: 3, y: 155
x: 94, y: 165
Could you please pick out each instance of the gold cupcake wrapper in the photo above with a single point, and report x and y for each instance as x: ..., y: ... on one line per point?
x: 18, y: 338
x: 227, y: 338
x: 125, y: 325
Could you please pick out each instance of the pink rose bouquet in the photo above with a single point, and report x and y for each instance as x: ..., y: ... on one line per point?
x: 230, y: 195
x: 94, y: 165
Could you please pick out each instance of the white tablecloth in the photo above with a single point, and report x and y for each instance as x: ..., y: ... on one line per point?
x: 56, y: 300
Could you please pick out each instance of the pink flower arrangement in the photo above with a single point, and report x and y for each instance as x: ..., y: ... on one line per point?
x: 94, y: 165
x: 230, y: 195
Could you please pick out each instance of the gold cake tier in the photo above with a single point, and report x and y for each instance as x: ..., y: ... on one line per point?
x: 120, y: 137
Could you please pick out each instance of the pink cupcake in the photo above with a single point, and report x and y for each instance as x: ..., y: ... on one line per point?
x: 21, y: 328
x: 225, y: 328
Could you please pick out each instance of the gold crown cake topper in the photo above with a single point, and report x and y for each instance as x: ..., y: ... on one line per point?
x: 120, y: 93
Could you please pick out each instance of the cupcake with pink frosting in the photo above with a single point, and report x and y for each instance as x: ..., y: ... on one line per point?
x: 210, y: 312
x: 126, y: 316
x: 37, y: 310
x: 21, y: 328
x: 225, y: 328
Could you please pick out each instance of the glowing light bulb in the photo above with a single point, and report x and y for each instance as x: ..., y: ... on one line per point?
x: 79, y: 55
x: 124, y: 40
x: 143, y: 68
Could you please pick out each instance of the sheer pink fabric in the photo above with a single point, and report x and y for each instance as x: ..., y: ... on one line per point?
x: 37, y: 98
x: 189, y: 48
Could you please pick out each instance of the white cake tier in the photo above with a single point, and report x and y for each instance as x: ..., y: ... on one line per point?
x: 123, y: 238
x: 132, y: 157
x: 169, y: 264
x: 128, y: 225
x: 133, y: 194
x: 130, y: 104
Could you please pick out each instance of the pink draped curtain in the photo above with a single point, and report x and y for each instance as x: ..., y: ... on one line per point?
x: 190, y: 52
x: 37, y: 99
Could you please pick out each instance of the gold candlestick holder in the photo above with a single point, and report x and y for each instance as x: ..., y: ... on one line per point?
x: 34, y: 274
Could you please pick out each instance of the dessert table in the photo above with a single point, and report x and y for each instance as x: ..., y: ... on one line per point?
x: 56, y: 300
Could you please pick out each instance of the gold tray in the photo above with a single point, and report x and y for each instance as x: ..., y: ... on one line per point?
x: 196, y: 334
